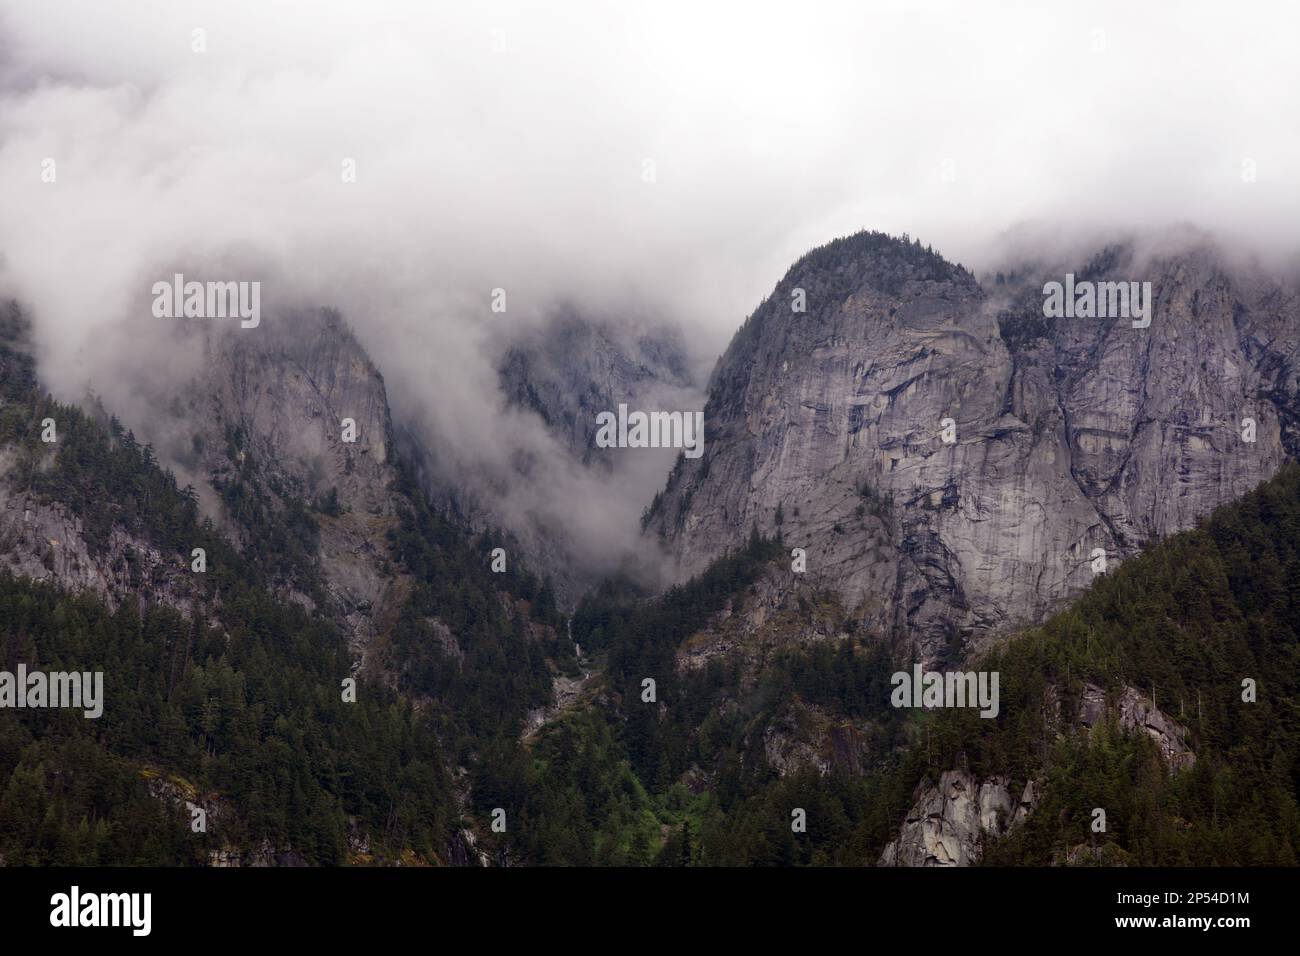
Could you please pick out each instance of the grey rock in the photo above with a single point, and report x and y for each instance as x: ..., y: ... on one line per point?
x: 1071, y: 434
x: 1137, y: 714
x: 284, y: 389
x: 950, y: 821
x: 44, y: 541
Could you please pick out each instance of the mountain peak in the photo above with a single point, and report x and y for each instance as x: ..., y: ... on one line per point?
x: 880, y: 257
x: 951, y: 479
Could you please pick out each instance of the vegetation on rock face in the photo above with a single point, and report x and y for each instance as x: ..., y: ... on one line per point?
x: 245, y: 698
x: 1189, y: 621
x: 108, y: 480
x: 830, y: 273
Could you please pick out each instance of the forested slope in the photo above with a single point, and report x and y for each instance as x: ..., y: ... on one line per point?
x: 1188, y: 621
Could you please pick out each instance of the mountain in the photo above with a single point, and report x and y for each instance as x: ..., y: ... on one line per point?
x: 697, y: 721
x: 1067, y: 435
x: 299, y: 417
x: 1163, y: 697
x: 321, y: 564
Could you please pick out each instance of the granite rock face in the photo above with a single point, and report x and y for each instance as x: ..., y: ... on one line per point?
x: 279, y: 404
x: 287, y: 388
x: 950, y: 820
x: 1137, y: 714
x: 952, y: 460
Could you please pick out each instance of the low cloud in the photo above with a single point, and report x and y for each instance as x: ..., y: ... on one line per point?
x: 675, y: 158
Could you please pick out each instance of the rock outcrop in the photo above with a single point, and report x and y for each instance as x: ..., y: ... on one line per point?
x: 778, y: 612
x: 267, y: 425
x: 802, y: 735
x: 44, y: 541
x: 950, y: 820
x: 1137, y: 714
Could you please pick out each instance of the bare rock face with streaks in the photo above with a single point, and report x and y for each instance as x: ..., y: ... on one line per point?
x: 950, y: 821
x: 300, y: 403
x: 281, y: 393
x: 951, y: 459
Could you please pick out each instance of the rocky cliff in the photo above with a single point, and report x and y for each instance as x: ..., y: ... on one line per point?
x: 285, y: 436
x: 951, y: 459
x: 572, y: 368
x: 952, y: 818
x: 298, y: 409
x: 44, y: 538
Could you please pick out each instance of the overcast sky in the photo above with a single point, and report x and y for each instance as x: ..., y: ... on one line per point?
x: 506, y: 145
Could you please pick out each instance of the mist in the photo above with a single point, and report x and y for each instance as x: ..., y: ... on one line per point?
x: 663, y: 159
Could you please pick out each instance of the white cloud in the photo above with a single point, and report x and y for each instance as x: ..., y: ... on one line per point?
x: 503, y: 146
